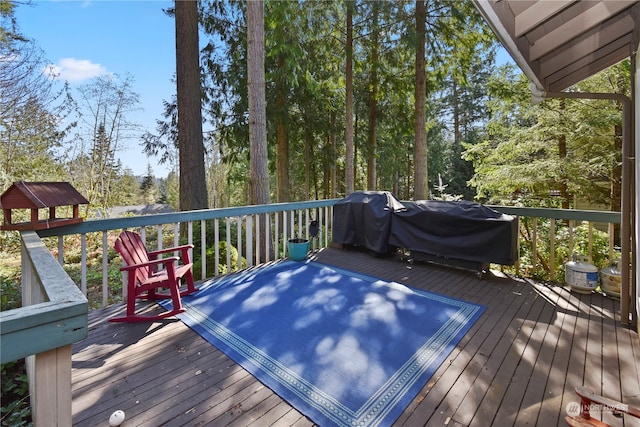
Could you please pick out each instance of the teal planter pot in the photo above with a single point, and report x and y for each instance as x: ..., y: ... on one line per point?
x: 298, y: 249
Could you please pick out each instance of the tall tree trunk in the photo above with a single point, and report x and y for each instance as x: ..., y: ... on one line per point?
x: 373, y: 104
x: 259, y: 182
x: 259, y: 190
x: 616, y: 179
x: 334, y: 157
x: 349, y: 154
x: 421, y: 185
x: 282, y: 160
x: 562, y: 153
x: 407, y: 188
x: 456, y: 115
x: 564, y: 191
x: 193, y: 184
x: 308, y: 141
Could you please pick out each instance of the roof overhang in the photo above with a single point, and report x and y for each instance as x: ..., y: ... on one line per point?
x: 558, y: 43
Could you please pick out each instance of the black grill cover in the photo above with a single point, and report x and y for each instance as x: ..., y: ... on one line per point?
x: 364, y: 218
x: 461, y: 230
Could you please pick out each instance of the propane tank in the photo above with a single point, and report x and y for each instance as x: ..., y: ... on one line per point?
x: 581, y: 275
x: 611, y: 279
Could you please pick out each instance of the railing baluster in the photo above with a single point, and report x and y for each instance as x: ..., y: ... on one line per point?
x: 276, y: 235
x: 326, y: 224
x: 572, y: 225
x: 228, y: 223
x: 176, y: 237
x: 216, y: 242
x: 285, y: 222
x: 267, y: 237
x: 61, y: 250
x: 239, y: 239
x: 534, y: 243
x: 105, y: 269
x: 271, y: 218
x: 590, y: 241
x: 83, y: 263
x: 612, y: 231
x: 517, y: 263
x: 552, y: 247
x: 249, y: 238
x: 203, y: 247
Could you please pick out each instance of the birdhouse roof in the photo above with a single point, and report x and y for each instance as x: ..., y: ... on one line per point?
x: 35, y: 195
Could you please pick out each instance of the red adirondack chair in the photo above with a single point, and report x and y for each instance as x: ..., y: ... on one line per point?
x: 588, y: 399
x: 145, y: 276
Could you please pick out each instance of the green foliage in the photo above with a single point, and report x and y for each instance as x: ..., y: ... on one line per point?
x: 223, y: 268
x: 10, y: 293
x: 15, y: 410
x: 565, y: 146
x: 222, y: 248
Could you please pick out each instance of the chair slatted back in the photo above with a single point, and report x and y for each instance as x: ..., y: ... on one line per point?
x: 132, y: 250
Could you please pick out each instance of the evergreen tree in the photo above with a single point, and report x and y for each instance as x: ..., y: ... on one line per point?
x: 148, y: 187
x: 532, y: 152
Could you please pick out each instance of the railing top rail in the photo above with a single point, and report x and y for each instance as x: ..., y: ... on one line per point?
x: 208, y: 214
x: 184, y: 216
x: 568, y: 214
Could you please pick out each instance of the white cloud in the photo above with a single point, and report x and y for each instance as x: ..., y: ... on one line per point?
x: 74, y: 70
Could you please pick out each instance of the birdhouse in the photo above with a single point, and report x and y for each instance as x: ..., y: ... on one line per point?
x: 40, y: 195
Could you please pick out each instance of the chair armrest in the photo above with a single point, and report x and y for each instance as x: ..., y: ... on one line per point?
x: 164, y: 251
x: 588, y: 397
x: 169, y: 260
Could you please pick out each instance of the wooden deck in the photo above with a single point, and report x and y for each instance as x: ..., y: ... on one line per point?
x: 518, y: 365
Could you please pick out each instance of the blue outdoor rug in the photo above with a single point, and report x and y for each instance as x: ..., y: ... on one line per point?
x: 342, y: 348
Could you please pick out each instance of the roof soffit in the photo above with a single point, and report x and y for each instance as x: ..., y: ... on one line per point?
x: 558, y: 43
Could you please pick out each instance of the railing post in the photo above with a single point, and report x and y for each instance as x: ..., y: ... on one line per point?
x: 50, y: 385
x: 43, y: 335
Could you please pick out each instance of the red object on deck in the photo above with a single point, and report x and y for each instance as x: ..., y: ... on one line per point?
x: 145, y: 276
x: 589, y: 400
x: 40, y: 195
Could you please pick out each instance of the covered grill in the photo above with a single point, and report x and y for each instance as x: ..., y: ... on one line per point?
x: 460, y: 233
x: 364, y: 218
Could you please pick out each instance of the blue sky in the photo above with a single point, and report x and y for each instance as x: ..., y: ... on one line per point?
x: 86, y: 38
x: 83, y: 39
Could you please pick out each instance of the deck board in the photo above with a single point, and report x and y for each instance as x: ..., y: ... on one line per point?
x: 517, y: 365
